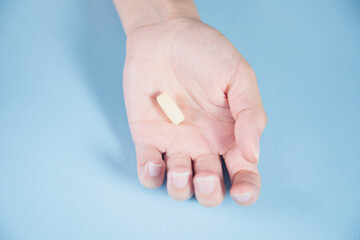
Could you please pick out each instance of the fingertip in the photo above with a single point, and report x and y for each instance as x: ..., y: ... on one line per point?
x: 244, y: 194
x: 249, y: 125
x: 152, y: 174
x: 245, y: 189
x: 248, y: 140
x: 209, y: 189
x: 179, y: 184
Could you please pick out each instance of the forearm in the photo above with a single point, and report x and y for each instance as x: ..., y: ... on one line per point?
x: 137, y: 13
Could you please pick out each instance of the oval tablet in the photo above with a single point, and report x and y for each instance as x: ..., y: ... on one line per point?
x: 170, y: 108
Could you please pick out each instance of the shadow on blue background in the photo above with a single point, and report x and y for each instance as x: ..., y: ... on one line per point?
x: 104, y: 79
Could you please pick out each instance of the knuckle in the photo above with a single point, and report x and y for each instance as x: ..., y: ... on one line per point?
x: 249, y: 72
x: 245, y: 71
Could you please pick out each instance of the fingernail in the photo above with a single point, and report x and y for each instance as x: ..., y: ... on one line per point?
x: 180, y: 179
x: 257, y: 150
x: 206, y: 185
x: 257, y: 157
x: 154, y: 169
x: 243, y: 197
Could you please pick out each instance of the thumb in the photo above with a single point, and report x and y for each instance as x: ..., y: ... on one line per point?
x: 247, y: 109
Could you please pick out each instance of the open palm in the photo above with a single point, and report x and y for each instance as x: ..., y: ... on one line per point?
x: 217, y: 92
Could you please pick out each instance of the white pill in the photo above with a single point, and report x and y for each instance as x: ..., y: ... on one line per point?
x: 170, y: 108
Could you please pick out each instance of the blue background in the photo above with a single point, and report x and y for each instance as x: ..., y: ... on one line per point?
x: 67, y: 163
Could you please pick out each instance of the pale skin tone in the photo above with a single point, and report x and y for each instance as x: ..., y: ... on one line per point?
x: 169, y: 49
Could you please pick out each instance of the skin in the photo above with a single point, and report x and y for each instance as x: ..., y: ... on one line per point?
x: 216, y: 90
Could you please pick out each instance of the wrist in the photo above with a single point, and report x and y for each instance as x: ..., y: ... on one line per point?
x: 138, y: 13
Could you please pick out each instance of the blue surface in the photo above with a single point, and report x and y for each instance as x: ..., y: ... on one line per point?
x: 67, y: 164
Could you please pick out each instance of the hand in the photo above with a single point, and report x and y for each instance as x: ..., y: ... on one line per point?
x: 216, y: 90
